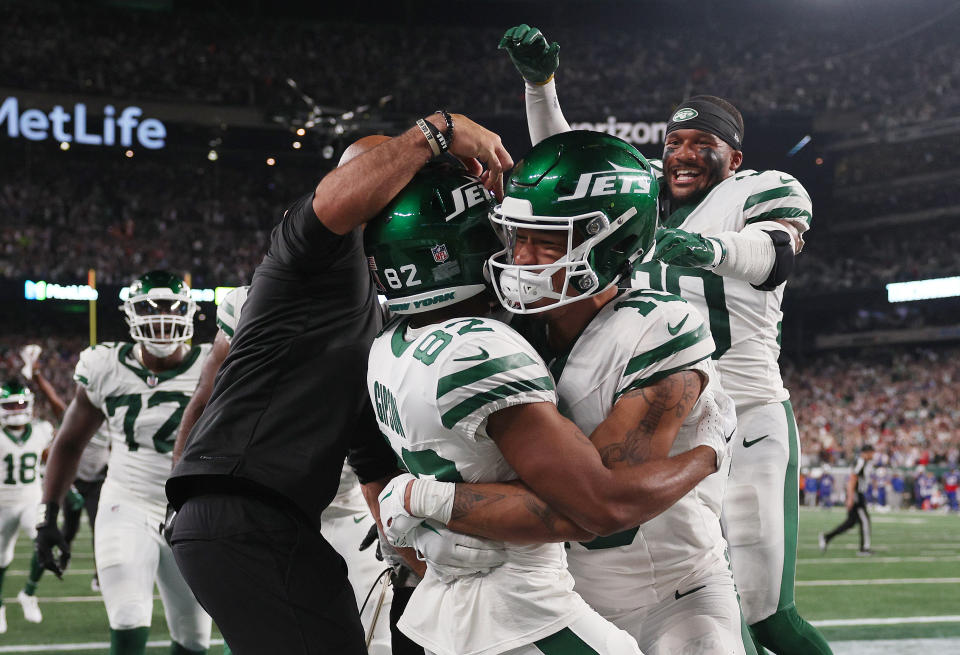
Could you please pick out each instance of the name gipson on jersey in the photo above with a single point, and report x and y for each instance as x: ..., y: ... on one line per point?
x: 467, y: 196
x: 607, y: 183
x: 385, y: 404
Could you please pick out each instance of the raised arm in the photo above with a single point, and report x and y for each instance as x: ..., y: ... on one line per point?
x: 352, y: 194
x: 56, y: 402
x: 537, y: 60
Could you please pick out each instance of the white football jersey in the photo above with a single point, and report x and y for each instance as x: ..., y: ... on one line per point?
x: 142, y: 411
x: 20, y: 455
x: 432, y: 390
x: 745, y: 321
x: 228, y: 311
x: 637, y: 339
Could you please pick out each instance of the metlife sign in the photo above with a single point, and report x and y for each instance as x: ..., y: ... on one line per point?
x: 125, y: 127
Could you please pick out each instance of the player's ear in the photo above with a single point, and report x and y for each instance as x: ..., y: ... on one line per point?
x: 736, y: 158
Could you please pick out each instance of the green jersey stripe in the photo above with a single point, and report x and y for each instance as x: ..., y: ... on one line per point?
x: 564, y: 642
x: 656, y: 377
x: 448, y: 383
x: 226, y: 328
x: 781, y: 212
x: 771, y: 194
x: 460, y: 411
x: 667, y: 349
x: 227, y: 308
x: 80, y: 378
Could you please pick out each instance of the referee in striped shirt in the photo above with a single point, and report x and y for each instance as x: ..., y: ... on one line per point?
x: 856, y: 503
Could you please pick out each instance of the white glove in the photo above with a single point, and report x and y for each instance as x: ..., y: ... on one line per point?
x: 454, y: 555
x: 397, y: 522
x: 29, y: 354
x: 718, y: 422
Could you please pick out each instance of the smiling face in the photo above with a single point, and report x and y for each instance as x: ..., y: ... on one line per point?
x: 695, y: 161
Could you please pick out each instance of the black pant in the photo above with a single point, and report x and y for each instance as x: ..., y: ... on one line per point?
x: 856, y: 515
x: 268, y: 578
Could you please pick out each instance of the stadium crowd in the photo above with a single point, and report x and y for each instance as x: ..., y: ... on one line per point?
x: 904, y: 401
x: 812, y: 66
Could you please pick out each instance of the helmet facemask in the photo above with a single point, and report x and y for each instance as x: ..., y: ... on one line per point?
x: 161, y: 319
x: 600, y: 193
x: 16, y: 406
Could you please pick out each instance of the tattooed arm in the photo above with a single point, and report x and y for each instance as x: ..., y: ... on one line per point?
x: 621, y: 479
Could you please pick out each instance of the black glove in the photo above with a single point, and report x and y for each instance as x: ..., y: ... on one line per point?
x: 48, y: 537
x: 166, y: 528
x: 373, y: 535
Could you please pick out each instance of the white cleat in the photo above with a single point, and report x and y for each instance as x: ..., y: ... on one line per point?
x: 3, y: 619
x: 31, y: 610
x: 822, y: 542
x: 95, y: 583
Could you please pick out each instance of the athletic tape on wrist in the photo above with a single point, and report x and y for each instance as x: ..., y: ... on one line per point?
x: 431, y: 499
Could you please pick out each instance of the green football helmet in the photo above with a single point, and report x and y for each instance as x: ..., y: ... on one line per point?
x: 429, y: 245
x: 597, y: 189
x: 16, y: 405
x: 159, y: 311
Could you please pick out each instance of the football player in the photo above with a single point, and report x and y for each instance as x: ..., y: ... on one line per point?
x: 140, y: 390
x: 22, y: 445
x: 727, y: 246
x: 464, y: 398
x: 85, y: 494
x: 579, y: 209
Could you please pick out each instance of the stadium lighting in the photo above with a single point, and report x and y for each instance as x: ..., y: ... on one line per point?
x: 301, y: 131
x: 212, y: 155
x: 795, y: 149
x: 64, y: 146
x: 271, y: 161
x: 296, y: 145
x: 327, y: 152
x: 944, y: 287
x: 128, y: 154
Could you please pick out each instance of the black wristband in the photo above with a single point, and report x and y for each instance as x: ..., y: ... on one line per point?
x: 438, y: 136
x: 48, y: 514
x: 448, y: 134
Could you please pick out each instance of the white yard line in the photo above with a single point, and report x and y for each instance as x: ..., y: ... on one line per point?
x: 833, y: 623
x: 92, y: 645
x: 879, y: 581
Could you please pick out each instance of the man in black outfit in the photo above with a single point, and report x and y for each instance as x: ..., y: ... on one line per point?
x: 264, y: 459
x: 856, y: 503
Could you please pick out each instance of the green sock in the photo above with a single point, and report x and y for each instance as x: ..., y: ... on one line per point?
x: 226, y: 649
x: 180, y: 649
x: 35, y: 572
x: 129, y: 642
x: 787, y: 633
x: 3, y: 572
x: 754, y: 641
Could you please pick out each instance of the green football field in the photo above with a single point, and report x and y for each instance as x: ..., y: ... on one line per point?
x: 904, y: 599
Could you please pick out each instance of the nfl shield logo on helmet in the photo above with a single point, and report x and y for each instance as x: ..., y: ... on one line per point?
x: 440, y: 253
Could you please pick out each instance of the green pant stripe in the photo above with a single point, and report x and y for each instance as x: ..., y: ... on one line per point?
x: 565, y: 642
x: 791, y: 512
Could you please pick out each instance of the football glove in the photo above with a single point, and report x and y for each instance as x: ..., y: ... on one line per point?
x: 682, y: 248
x: 716, y: 425
x: 166, y: 528
x: 397, y: 522
x: 454, y: 555
x: 530, y: 53
x: 29, y: 354
x: 48, y: 537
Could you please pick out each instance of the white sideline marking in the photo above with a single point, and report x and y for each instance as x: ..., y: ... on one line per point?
x: 65, y: 599
x: 92, y: 645
x: 875, y: 559
x: 829, y: 623
x: 67, y: 572
x: 880, y: 581
x: 895, y: 646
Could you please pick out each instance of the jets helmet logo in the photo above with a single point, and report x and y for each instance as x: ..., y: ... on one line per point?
x: 466, y: 196
x: 607, y: 183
